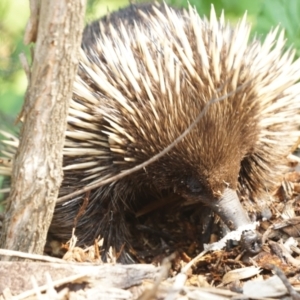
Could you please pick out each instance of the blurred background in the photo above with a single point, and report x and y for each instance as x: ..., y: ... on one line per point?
x: 262, y: 14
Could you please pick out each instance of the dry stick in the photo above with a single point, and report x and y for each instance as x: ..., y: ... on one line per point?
x: 180, y: 279
x: 25, y: 65
x: 163, y: 274
x: 57, y: 283
x: 158, y: 155
x: 6, y: 252
x: 293, y: 293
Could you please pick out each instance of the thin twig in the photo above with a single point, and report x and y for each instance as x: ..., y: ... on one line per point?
x: 285, y: 281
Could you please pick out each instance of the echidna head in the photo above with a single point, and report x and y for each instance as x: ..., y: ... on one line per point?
x: 205, y: 166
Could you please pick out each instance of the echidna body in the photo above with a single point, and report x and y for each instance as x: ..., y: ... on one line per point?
x: 140, y: 85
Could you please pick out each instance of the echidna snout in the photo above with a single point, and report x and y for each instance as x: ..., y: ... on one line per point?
x: 230, y: 210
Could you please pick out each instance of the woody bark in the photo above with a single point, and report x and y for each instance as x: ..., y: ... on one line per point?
x: 56, y: 28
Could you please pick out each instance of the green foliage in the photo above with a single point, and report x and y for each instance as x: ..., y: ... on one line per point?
x: 12, y: 78
x: 285, y: 13
x: 233, y: 9
x: 98, y: 8
x: 263, y: 14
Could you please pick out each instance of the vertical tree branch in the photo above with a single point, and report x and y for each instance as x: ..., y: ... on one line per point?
x: 56, y: 25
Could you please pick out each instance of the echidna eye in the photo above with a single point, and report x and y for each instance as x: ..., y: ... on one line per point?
x: 194, y: 185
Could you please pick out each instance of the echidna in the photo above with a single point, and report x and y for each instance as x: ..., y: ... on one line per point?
x: 145, y: 74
